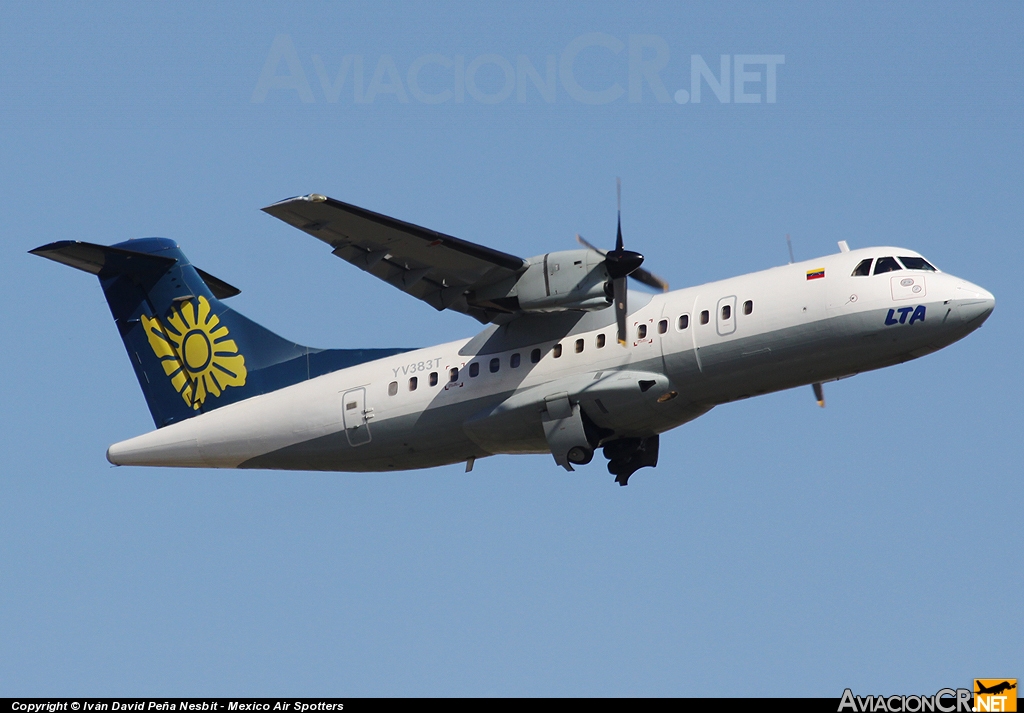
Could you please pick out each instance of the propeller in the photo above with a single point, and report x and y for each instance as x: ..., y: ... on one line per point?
x: 620, y: 264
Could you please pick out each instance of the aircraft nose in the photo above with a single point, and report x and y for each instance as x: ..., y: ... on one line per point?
x: 973, y: 303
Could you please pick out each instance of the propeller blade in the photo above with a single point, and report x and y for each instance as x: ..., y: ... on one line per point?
x: 618, y: 208
x: 619, y: 289
x: 819, y: 394
x: 650, y: 279
x: 620, y: 264
x: 582, y: 241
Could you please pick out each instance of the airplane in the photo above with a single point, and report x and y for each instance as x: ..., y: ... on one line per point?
x: 570, y: 361
x: 996, y: 689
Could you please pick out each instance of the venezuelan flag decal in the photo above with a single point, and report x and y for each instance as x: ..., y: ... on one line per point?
x: 816, y: 274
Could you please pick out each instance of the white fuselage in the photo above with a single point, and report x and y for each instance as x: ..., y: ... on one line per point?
x: 690, y: 350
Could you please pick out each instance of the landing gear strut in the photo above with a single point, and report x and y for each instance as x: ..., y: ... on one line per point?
x: 627, y: 455
x: 566, y: 431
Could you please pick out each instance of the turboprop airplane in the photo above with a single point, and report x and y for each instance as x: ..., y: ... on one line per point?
x: 570, y: 360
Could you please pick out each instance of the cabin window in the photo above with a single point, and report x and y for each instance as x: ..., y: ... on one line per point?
x: 684, y: 321
x: 392, y: 388
x: 453, y: 374
x: 600, y: 341
x: 535, y: 356
x: 351, y: 405
x: 748, y: 307
x: 579, y: 346
x: 433, y: 378
x: 863, y: 268
x: 726, y: 312
x: 413, y: 383
x: 514, y: 361
x: 886, y: 264
x: 474, y: 369
x: 916, y: 263
x: 557, y: 350
x: 495, y: 365
x: 705, y: 317
x: 641, y: 331
x: 662, y: 326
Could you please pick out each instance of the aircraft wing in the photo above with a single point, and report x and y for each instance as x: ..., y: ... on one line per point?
x: 443, y: 271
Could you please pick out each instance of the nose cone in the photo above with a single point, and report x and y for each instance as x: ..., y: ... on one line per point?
x: 620, y: 263
x: 973, y: 303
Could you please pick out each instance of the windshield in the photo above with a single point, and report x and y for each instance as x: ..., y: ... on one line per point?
x: 916, y: 263
x: 863, y: 268
x: 886, y: 264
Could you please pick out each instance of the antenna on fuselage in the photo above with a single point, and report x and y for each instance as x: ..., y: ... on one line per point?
x: 789, y: 244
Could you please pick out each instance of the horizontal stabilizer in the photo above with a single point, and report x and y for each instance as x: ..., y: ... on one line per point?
x: 220, y: 289
x: 97, y: 259
x: 105, y: 260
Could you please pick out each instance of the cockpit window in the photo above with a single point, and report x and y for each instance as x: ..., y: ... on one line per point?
x: 886, y: 264
x: 916, y: 263
x: 863, y: 269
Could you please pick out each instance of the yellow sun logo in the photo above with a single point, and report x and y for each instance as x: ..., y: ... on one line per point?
x: 195, y: 351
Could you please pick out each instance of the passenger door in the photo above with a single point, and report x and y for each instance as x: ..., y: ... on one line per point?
x: 354, y: 414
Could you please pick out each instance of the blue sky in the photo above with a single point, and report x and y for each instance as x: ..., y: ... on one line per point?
x: 778, y: 549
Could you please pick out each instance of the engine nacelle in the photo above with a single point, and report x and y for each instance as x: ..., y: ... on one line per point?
x: 566, y: 280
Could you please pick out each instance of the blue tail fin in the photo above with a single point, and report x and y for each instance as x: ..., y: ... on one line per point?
x: 190, y: 351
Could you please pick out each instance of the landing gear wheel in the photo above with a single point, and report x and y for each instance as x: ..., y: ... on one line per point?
x: 627, y: 455
x: 580, y: 455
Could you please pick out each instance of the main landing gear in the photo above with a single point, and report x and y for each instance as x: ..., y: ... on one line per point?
x: 627, y: 455
x: 572, y: 437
